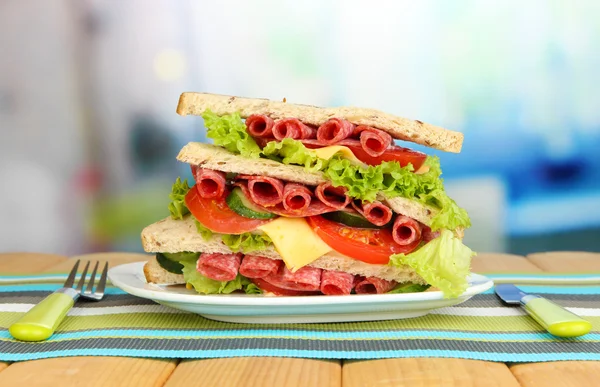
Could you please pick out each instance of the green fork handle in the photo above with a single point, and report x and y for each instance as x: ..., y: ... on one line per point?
x: 40, y: 322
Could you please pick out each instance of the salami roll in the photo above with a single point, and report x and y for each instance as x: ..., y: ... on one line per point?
x: 219, y: 267
x: 210, y: 184
x: 375, y: 212
x: 259, y: 125
x: 254, y: 266
x: 429, y: 235
x: 374, y: 285
x: 334, y: 131
x: 296, y: 197
x: 304, y: 279
x: 406, y: 230
x: 373, y: 141
x: 293, y: 128
x: 264, y: 191
x: 334, y: 197
x: 336, y: 283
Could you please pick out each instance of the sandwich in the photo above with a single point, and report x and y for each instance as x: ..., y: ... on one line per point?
x: 293, y: 200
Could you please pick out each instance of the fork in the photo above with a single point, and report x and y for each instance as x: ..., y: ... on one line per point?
x: 40, y: 322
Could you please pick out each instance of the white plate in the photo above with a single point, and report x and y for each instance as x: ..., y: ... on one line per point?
x: 244, y: 308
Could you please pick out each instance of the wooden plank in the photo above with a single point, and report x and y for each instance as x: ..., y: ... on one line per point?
x: 502, y: 263
x: 28, y: 263
x: 88, y: 371
x: 426, y: 372
x: 3, y: 365
x: 257, y: 371
x: 562, y: 373
x: 113, y: 259
x: 567, y: 261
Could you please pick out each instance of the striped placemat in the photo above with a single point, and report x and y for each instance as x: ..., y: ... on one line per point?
x: 481, y: 328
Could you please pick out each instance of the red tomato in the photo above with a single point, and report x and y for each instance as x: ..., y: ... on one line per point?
x: 364, y: 244
x: 267, y: 287
x: 216, y: 215
x: 403, y: 156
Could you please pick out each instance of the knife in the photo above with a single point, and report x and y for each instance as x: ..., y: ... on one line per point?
x: 554, y: 318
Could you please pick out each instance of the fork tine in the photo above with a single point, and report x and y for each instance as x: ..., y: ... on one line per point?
x: 82, y: 279
x: 72, y: 274
x: 102, y: 283
x: 90, y: 286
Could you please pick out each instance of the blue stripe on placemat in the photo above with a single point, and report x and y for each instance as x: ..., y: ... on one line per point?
x: 300, y: 334
x: 488, y: 356
x: 48, y: 288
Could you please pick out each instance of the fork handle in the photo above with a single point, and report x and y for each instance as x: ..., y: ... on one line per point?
x: 40, y: 322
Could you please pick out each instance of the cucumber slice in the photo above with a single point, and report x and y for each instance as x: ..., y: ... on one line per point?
x: 184, y: 256
x: 239, y: 204
x: 349, y: 218
x: 168, y: 265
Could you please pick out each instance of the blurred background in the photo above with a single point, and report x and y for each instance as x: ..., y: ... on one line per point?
x: 88, y: 90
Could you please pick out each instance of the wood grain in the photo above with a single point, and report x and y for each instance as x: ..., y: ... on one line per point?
x: 3, y: 365
x: 502, y: 263
x: 88, y: 371
x: 113, y: 259
x: 426, y: 372
x: 27, y: 263
x: 558, y: 374
x: 567, y: 261
x: 256, y: 371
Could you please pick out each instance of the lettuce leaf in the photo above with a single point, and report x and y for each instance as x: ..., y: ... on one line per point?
x: 409, y: 287
x: 443, y: 262
x: 206, y: 285
x: 229, y: 131
x: 246, y: 242
x: 290, y: 151
x: 204, y: 231
x: 177, y: 207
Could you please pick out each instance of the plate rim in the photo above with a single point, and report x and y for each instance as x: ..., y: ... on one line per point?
x: 134, y: 269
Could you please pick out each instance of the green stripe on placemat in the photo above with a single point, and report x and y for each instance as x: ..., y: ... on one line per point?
x: 481, y: 328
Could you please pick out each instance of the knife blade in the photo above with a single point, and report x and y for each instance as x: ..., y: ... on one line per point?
x: 554, y: 318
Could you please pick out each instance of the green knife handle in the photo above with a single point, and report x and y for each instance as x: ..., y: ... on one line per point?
x: 556, y: 319
x: 40, y: 322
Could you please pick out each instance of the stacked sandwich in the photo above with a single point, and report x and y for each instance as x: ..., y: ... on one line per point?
x: 301, y: 200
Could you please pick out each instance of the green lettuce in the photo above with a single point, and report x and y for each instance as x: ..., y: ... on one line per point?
x: 290, y: 151
x: 206, y: 285
x: 204, y: 231
x: 229, y: 131
x: 177, y: 207
x: 443, y: 262
x: 409, y: 287
x: 246, y: 242
x: 252, y: 289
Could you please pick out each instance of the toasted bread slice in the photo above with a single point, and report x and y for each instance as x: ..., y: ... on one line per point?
x: 398, y: 127
x: 155, y: 274
x: 174, y: 236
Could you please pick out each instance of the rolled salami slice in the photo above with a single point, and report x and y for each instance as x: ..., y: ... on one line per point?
x: 336, y: 283
x: 334, y: 197
x: 254, y: 266
x: 296, y: 197
x: 375, y: 212
x: 292, y: 128
x: 429, y: 235
x: 406, y: 231
x: 374, y: 285
x: 210, y: 184
x: 259, y: 125
x: 373, y: 141
x: 264, y: 191
x: 219, y: 267
x: 306, y: 279
x: 334, y: 131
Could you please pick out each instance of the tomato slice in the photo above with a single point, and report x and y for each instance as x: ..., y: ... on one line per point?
x: 216, y: 215
x: 403, y: 156
x: 364, y: 244
x: 267, y: 287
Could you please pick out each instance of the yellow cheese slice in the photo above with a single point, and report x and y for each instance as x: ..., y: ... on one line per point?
x: 295, y: 241
x: 328, y: 152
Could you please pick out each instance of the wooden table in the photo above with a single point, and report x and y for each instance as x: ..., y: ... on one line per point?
x: 285, y: 372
